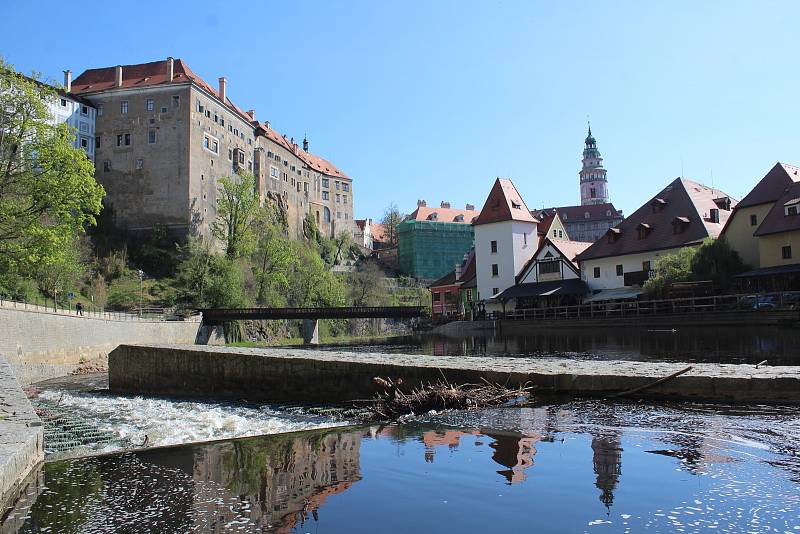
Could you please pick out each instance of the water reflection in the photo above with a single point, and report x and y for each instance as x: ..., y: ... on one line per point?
x: 780, y: 346
x: 548, y: 468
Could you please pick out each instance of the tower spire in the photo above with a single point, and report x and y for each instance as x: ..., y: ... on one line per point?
x: 593, y: 182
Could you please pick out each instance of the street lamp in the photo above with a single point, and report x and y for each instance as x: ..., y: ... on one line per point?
x: 141, y: 290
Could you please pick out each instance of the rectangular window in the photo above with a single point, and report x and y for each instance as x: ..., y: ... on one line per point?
x: 437, y: 297
x: 325, y: 182
x: 241, y: 158
x: 787, y: 252
x: 150, y: 104
x: 495, y: 270
x: 337, y: 185
x: 495, y: 291
x: 100, y: 110
x: 753, y: 220
x: 596, y: 272
x: 84, y: 127
x: 345, y: 187
x: 151, y: 136
x: 494, y: 247
x: 560, y: 234
x: 63, y: 102
x: 123, y: 107
x: 163, y: 109
x: 84, y: 110
x: 106, y: 166
x: 176, y: 101
x: 127, y: 139
x: 325, y: 195
x: 84, y: 142
x: 97, y: 142
x: 549, y: 267
x: 555, y: 233
x: 619, y: 270
x: 469, y: 295
x: 274, y: 173
x: 211, y: 144
x: 344, y: 199
x: 791, y: 210
x: 646, y: 266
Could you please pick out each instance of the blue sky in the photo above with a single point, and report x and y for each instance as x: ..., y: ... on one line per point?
x: 433, y: 100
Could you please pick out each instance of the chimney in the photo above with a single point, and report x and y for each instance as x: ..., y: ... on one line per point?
x: 118, y: 78
x: 221, y: 92
x: 305, y: 143
x: 444, y: 204
x: 170, y: 68
x: 252, y: 113
x: 470, y: 207
x: 68, y: 81
x: 266, y: 124
x: 422, y: 204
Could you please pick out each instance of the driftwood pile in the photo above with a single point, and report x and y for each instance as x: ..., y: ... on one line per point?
x: 392, y: 402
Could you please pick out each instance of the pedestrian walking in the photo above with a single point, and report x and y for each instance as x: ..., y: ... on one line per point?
x: 78, y: 308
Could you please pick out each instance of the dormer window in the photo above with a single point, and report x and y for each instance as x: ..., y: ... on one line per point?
x: 433, y: 216
x: 613, y: 235
x: 679, y: 225
x: 791, y: 208
x: 658, y: 205
x: 723, y: 203
x: 608, y: 213
x: 516, y: 205
x: 713, y: 215
x: 459, y: 218
x: 564, y: 216
x: 644, y: 230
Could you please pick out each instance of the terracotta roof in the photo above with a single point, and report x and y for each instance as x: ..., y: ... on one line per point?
x: 504, y: 203
x: 423, y: 213
x: 772, y: 185
x: 361, y: 223
x: 546, y: 219
x: 156, y: 73
x: 597, y: 212
x: 776, y: 220
x: 684, y: 198
x: 378, y: 233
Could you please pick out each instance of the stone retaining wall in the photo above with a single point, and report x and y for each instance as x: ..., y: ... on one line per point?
x: 21, y: 437
x: 307, y: 375
x: 41, y: 345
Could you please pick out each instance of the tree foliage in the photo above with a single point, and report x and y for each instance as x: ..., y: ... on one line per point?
x: 391, y: 218
x: 48, y: 193
x: 671, y: 268
x: 237, y: 209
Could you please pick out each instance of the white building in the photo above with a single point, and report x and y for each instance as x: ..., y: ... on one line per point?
x: 77, y: 113
x: 682, y: 214
x: 505, y: 239
x: 362, y: 233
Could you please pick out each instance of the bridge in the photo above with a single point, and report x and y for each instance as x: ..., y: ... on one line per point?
x: 310, y: 316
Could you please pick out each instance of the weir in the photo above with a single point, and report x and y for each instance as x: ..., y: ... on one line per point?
x: 306, y: 375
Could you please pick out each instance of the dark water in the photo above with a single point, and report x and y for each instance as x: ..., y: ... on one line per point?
x: 582, y: 466
x: 780, y: 346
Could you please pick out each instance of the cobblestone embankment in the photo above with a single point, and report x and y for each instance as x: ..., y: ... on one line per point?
x: 292, y: 374
x: 21, y: 436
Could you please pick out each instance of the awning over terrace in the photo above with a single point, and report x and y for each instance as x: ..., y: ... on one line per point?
x: 623, y: 293
x: 573, y: 286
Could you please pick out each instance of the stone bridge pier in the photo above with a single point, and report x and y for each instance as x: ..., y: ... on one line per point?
x: 310, y: 332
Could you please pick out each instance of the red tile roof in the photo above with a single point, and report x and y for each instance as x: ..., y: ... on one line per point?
x: 684, y: 198
x: 379, y: 233
x: 570, y: 249
x: 776, y: 220
x: 423, y: 213
x: 156, y: 73
x: 772, y: 185
x: 504, y: 203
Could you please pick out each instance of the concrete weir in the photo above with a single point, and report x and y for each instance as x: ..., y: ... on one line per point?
x: 307, y: 375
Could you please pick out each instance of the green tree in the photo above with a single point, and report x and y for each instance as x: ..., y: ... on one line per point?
x: 343, y: 241
x: 391, y: 218
x: 671, y: 268
x: 237, y: 209
x: 63, y: 270
x: 717, y: 261
x: 48, y: 193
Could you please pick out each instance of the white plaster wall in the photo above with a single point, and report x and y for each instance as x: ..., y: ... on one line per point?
x: 566, y: 273
x: 516, y: 243
x: 608, y: 268
x: 71, y: 116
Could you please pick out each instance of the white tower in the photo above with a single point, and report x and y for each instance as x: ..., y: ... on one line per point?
x: 594, y: 185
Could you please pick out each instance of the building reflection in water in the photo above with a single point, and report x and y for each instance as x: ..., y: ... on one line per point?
x: 607, y: 463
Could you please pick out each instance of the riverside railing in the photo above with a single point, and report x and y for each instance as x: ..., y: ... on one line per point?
x: 87, y: 311
x: 781, y: 301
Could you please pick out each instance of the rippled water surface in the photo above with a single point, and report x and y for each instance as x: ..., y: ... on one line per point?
x: 581, y: 466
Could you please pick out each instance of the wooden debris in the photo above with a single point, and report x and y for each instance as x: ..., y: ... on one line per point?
x: 392, y: 402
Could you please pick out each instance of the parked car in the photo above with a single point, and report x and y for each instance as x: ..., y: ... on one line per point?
x: 758, y: 303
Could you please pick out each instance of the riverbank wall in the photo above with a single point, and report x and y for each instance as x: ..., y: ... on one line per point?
x: 307, y: 375
x: 667, y: 321
x: 21, y: 437
x: 40, y: 344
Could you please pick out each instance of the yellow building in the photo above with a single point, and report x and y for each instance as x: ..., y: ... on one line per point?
x: 765, y: 230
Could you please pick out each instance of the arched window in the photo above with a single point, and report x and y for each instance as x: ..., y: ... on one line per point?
x: 326, y: 214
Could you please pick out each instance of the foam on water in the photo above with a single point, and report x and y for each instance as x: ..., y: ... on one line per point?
x: 170, y: 422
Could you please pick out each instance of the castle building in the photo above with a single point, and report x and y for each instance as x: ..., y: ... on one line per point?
x: 164, y: 137
x: 594, y: 184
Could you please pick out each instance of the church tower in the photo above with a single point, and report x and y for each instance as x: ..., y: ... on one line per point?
x: 594, y: 185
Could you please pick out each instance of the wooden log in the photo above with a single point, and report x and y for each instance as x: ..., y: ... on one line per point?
x: 652, y: 384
